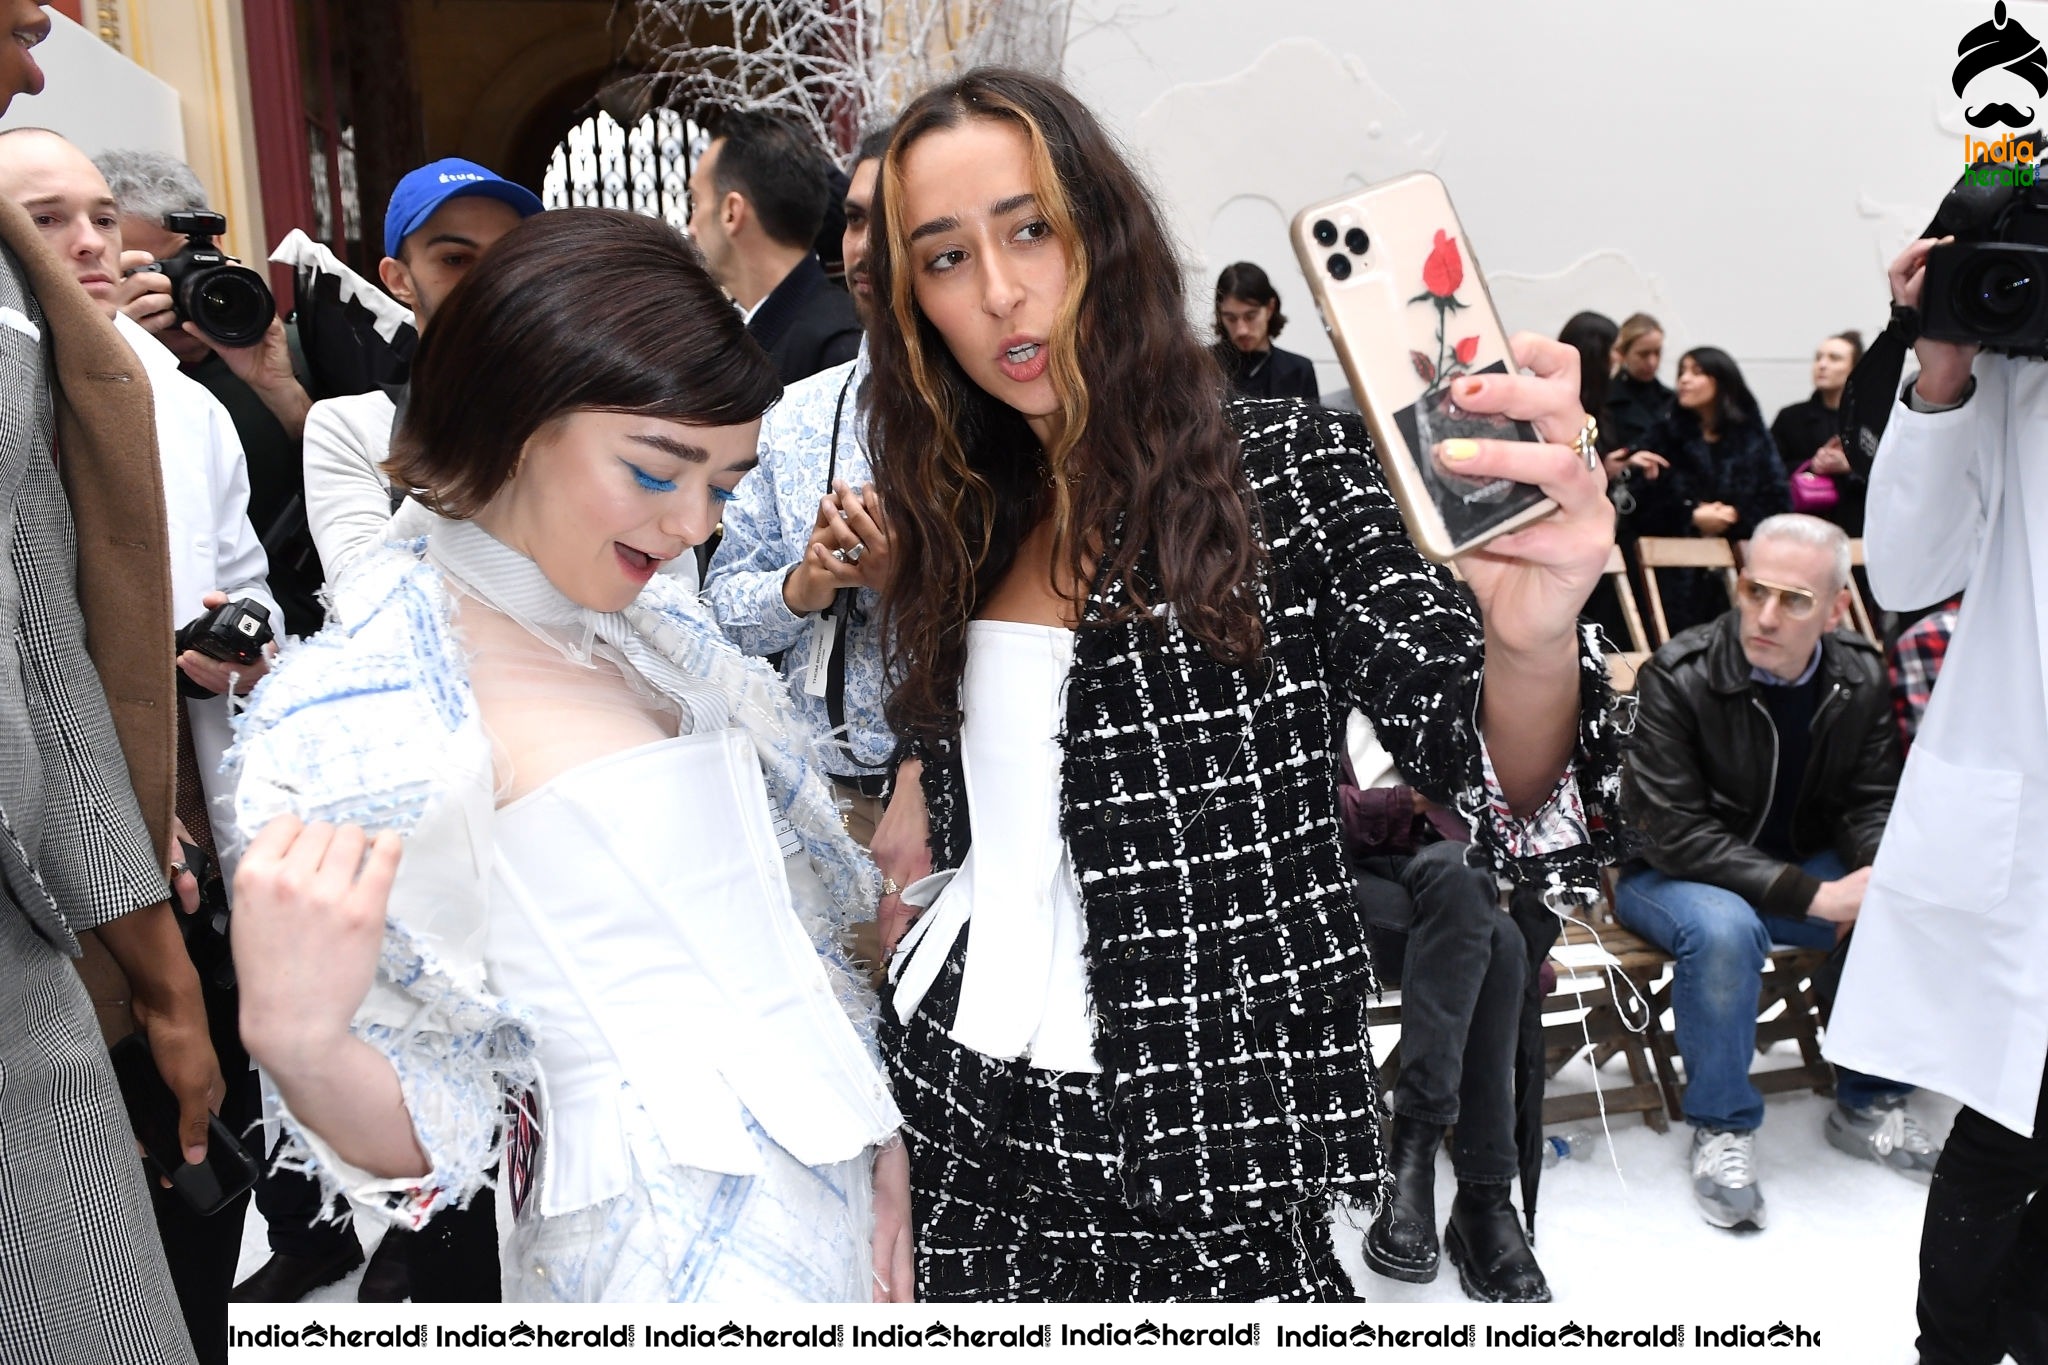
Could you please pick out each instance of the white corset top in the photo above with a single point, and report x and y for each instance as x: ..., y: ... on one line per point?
x: 1025, y: 992
x: 641, y: 908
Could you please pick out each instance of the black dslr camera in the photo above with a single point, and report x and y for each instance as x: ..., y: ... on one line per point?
x: 206, y: 930
x: 228, y: 301
x: 1989, y: 287
x: 234, y: 632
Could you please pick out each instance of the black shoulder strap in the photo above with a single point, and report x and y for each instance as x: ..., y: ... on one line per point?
x: 841, y: 610
x: 1872, y: 392
x: 838, y: 416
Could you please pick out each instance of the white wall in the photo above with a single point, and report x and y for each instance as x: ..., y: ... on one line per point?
x: 1742, y: 168
x: 98, y: 98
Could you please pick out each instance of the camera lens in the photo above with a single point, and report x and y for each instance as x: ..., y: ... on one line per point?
x: 1340, y: 267
x: 1996, y: 292
x: 230, y: 303
x: 1325, y: 232
x: 1355, y: 241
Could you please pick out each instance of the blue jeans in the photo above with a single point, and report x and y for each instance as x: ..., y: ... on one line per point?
x: 1721, y: 943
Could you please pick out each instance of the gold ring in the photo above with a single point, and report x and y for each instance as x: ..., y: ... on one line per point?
x: 1587, y: 443
x: 890, y: 888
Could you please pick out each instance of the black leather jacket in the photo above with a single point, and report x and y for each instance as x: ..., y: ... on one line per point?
x: 1702, y: 763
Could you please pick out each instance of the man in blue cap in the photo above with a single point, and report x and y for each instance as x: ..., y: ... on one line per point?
x: 442, y: 218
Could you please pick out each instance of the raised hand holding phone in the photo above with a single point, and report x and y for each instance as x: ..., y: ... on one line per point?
x: 1408, y: 311
x: 1532, y: 583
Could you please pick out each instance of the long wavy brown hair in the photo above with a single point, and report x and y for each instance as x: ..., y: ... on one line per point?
x: 1144, y: 486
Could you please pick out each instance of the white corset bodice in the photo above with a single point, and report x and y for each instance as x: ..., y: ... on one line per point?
x: 1025, y: 989
x: 641, y: 909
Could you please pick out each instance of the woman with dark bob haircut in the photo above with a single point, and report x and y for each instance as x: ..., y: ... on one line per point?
x: 1129, y: 618
x: 1248, y: 319
x: 548, y: 880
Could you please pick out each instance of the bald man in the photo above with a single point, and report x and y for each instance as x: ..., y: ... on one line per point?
x: 214, y: 550
x: 214, y: 557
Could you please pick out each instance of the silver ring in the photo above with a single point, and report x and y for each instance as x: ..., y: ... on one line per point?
x: 890, y: 888
x: 180, y: 869
x: 852, y: 553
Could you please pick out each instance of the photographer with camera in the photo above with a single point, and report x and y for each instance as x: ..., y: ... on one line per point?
x: 1948, y: 986
x: 223, y: 608
x: 219, y: 319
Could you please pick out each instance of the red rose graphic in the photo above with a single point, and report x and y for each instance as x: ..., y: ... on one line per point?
x: 1444, y: 271
x: 1467, y: 348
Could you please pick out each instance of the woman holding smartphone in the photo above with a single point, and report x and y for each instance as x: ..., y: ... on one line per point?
x: 595, y: 947
x: 1128, y: 1035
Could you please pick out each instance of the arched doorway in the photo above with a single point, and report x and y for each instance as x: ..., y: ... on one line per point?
x: 644, y: 169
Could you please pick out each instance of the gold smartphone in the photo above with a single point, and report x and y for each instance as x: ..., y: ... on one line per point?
x: 1407, y: 309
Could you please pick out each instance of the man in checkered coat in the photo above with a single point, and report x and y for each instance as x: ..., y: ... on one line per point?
x: 87, y: 762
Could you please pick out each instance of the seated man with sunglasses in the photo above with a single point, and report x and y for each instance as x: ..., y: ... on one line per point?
x: 1760, y: 774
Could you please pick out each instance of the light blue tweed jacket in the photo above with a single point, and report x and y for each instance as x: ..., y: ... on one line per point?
x: 373, y: 722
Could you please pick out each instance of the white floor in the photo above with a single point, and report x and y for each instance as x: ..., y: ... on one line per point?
x: 1619, y: 1233
x: 1843, y: 1234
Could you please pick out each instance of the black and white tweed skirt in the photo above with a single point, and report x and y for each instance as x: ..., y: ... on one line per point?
x: 1017, y: 1197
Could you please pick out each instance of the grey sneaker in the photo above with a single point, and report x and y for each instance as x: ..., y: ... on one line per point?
x: 1887, y: 1134
x: 1724, y: 1179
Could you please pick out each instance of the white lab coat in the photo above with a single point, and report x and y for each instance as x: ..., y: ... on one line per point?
x: 213, y: 546
x: 1947, y: 984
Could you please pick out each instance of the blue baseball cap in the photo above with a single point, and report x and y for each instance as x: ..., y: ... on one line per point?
x: 426, y: 189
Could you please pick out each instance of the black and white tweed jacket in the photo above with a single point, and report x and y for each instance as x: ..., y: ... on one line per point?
x: 1226, y: 957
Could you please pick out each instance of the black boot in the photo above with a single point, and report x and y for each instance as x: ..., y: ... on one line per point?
x: 287, y: 1278
x: 388, y: 1278
x: 1490, y: 1250
x: 1401, y: 1244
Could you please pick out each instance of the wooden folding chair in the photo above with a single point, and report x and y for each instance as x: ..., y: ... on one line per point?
x: 1623, y: 664
x: 1786, y: 1011
x: 1582, y: 1013
x: 1682, y: 552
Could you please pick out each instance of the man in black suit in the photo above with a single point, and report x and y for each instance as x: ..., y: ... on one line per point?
x: 757, y: 199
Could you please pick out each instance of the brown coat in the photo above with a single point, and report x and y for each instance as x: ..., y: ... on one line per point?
x: 106, y: 453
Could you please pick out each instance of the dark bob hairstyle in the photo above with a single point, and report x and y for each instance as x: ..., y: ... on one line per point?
x: 576, y: 310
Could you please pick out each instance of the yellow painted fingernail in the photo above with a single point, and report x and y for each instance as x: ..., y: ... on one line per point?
x: 1459, y: 450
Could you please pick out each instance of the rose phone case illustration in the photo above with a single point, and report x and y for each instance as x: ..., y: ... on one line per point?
x: 1408, y: 312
